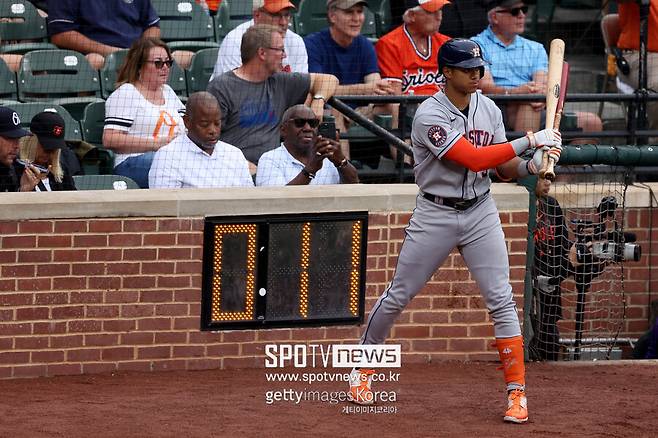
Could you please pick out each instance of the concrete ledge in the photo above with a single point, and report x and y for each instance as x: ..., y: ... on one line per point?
x: 229, y: 202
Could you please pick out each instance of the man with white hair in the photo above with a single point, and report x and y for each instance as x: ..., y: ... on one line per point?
x: 273, y: 12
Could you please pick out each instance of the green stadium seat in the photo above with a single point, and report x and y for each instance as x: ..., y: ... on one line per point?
x: 60, y: 77
x: 177, y: 81
x: 110, y: 71
x: 311, y: 17
x: 383, y: 16
x: 104, y: 182
x: 184, y: 25
x: 23, y: 24
x: 239, y: 12
x: 28, y: 110
x: 221, y: 22
x: 200, y: 70
x: 93, y: 121
x: 8, y: 90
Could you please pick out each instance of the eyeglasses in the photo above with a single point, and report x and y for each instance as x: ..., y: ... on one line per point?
x: 515, y: 11
x: 278, y: 49
x: 300, y: 123
x: 286, y: 15
x: 159, y: 63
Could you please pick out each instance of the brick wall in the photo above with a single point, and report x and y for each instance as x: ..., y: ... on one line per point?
x: 98, y: 295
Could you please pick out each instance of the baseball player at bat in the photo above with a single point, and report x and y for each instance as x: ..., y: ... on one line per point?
x: 457, y: 136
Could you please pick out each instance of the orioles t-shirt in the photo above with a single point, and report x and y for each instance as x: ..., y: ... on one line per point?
x: 400, y: 60
x: 127, y: 110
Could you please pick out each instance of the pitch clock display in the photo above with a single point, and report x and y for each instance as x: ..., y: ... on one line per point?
x: 283, y: 270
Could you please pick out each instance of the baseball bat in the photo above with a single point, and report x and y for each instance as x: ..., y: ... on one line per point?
x: 555, y: 61
x: 549, y: 173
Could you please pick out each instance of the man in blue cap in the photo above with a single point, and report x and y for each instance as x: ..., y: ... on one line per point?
x: 10, y: 133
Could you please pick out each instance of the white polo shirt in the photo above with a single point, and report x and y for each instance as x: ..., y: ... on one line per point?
x: 278, y: 167
x: 229, y: 58
x: 182, y: 164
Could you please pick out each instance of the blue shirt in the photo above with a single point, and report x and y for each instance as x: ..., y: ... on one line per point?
x: 511, y: 65
x: 113, y: 22
x: 349, y: 64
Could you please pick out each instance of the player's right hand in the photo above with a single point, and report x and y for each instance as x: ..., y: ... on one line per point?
x: 548, y: 137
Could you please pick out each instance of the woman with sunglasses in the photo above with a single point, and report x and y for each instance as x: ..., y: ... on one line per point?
x: 143, y: 113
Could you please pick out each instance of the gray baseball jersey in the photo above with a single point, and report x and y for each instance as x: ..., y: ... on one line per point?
x: 436, y: 228
x: 437, y: 126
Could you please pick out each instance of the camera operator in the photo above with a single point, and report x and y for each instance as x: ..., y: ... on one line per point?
x: 551, y: 266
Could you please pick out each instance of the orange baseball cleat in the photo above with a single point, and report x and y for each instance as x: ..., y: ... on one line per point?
x: 360, y: 382
x: 517, y: 407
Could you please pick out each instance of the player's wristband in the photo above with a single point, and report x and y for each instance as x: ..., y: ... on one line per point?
x: 532, y: 139
x: 308, y: 174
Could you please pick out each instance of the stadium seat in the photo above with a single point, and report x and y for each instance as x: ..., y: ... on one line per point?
x: 239, y: 12
x: 25, y: 25
x: 184, y: 25
x: 311, y: 17
x: 383, y: 16
x: 110, y: 70
x: 93, y: 120
x: 369, y: 28
x: 113, y: 63
x: 221, y: 22
x: 8, y: 90
x: 60, y: 77
x: 104, y: 182
x: 28, y: 110
x: 201, y: 69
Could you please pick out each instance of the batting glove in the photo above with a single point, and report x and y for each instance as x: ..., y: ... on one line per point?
x: 534, y: 165
x: 548, y: 137
x: 555, y: 152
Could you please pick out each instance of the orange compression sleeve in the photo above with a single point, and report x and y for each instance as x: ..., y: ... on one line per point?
x: 476, y: 159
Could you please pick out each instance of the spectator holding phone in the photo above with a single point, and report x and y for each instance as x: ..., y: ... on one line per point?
x: 144, y: 113
x: 305, y: 157
x: 42, y: 152
x: 10, y: 134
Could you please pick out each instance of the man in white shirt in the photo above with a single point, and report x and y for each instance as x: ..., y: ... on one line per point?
x: 304, y: 157
x: 277, y: 13
x: 199, y: 159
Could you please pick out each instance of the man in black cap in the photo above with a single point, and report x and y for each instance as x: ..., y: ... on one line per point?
x: 10, y: 133
x: 45, y: 150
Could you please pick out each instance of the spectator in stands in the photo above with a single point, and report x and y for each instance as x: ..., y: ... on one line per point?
x: 44, y: 149
x: 143, y: 113
x: 518, y: 66
x: 10, y: 133
x: 253, y: 97
x: 273, y: 12
x: 464, y: 18
x: 100, y: 27
x: 629, y: 42
x: 199, y: 159
x: 342, y: 51
x: 304, y: 157
x: 408, y: 55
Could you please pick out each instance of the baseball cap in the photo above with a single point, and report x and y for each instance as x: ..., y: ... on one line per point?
x: 428, y: 5
x: 49, y: 129
x: 273, y: 6
x: 345, y: 4
x: 10, y: 124
x: 502, y: 3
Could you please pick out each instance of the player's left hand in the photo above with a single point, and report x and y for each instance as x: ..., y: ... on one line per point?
x: 548, y: 137
x: 536, y: 161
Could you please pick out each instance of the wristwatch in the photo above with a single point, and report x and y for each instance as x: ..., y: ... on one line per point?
x: 319, y: 96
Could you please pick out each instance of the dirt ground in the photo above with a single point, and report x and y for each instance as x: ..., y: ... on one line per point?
x: 445, y: 399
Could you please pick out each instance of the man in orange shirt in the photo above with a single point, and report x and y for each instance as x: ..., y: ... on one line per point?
x: 629, y: 42
x: 407, y: 55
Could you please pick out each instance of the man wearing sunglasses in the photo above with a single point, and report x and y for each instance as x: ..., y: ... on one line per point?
x: 518, y: 66
x: 273, y: 12
x: 304, y: 157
